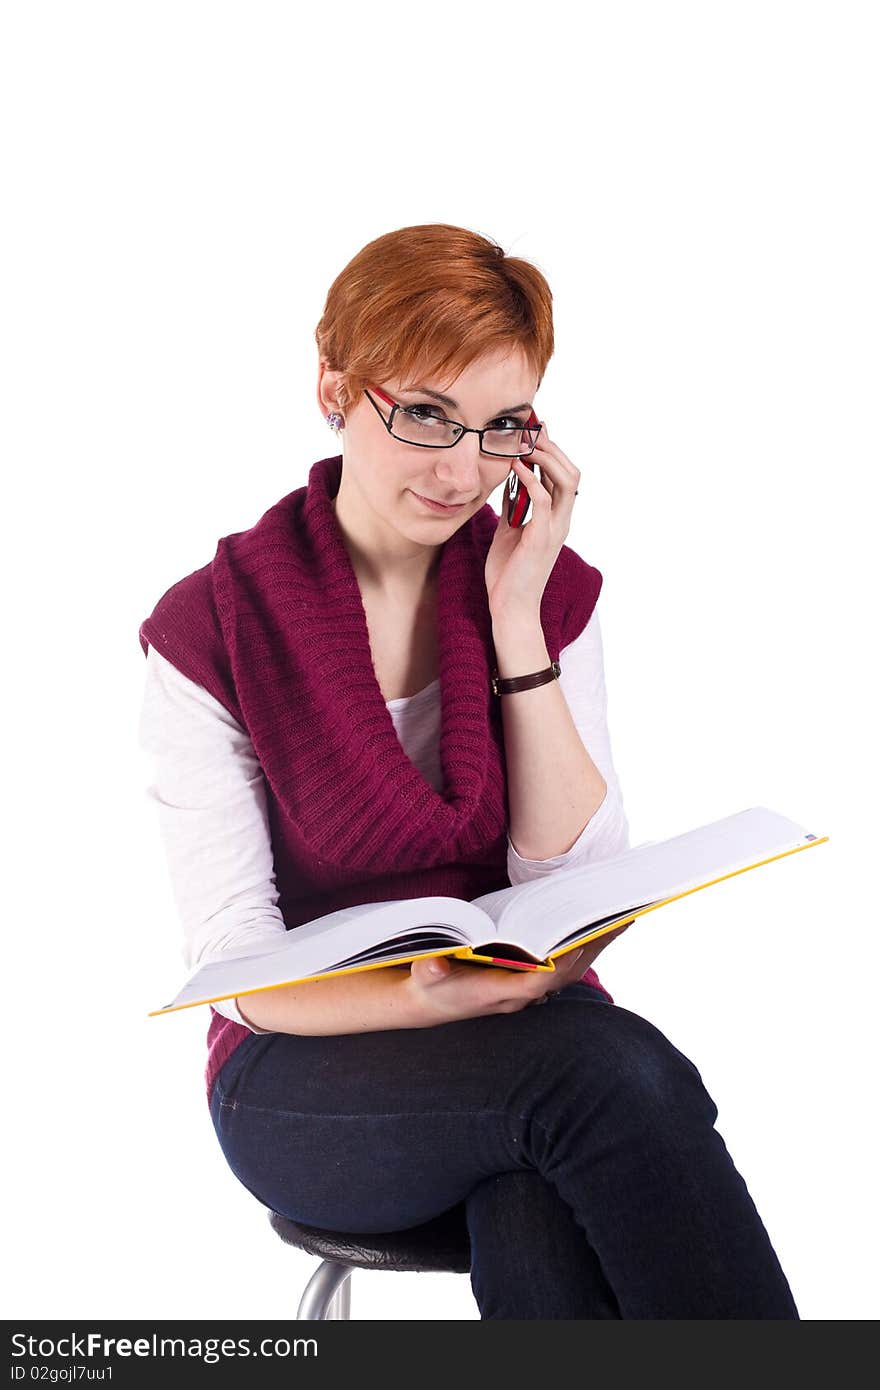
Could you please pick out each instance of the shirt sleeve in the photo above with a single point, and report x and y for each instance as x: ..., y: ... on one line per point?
x: 209, y: 790
x: 582, y: 678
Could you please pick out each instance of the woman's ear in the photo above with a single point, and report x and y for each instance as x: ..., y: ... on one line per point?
x: 331, y: 391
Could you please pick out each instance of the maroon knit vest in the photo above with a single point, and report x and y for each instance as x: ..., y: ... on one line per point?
x: 275, y: 629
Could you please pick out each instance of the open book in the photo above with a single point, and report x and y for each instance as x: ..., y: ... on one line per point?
x: 523, y: 927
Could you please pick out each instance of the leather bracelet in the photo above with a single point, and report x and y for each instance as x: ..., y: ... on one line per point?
x: 510, y: 684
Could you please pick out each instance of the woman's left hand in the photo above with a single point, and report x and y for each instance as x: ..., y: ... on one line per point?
x: 521, y: 558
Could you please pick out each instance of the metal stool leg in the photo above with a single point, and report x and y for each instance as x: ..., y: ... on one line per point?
x: 327, y: 1294
x: 340, y: 1304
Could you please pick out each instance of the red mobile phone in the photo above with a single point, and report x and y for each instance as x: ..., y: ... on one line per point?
x: 517, y: 496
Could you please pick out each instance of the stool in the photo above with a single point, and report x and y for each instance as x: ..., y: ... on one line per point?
x: 440, y: 1245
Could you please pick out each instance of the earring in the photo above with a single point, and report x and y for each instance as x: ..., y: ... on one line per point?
x: 335, y: 421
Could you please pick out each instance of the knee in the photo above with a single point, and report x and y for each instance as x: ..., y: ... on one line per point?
x: 650, y: 1070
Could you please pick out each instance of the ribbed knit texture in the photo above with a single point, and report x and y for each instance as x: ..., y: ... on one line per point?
x: 275, y: 629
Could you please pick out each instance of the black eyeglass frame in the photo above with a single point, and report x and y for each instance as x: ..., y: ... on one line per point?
x: 534, y: 429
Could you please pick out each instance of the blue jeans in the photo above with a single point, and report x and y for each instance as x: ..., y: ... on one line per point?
x: 581, y: 1141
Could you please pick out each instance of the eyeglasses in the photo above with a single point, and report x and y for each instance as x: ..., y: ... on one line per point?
x: 428, y: 428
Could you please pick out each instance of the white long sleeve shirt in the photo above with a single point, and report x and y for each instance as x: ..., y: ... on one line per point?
x: 210, y: 791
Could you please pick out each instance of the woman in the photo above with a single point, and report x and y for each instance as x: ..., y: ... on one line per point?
x: 322, y: 708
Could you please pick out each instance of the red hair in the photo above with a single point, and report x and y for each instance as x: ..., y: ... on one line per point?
x: 428, y: 300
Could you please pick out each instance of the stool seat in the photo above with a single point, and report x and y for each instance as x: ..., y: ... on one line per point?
x: 442, y: 1244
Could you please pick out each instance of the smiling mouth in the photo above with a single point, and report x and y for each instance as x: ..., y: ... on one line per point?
x: 440, y: 506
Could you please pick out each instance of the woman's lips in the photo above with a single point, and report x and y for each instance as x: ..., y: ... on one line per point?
x: 439, y: 506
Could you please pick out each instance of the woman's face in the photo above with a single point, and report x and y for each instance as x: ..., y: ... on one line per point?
x: 391, y: 475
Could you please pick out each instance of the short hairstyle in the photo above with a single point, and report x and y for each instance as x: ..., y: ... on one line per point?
x: 427, y: 301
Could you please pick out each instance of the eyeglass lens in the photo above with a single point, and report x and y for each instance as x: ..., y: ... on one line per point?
x: 418, y: 427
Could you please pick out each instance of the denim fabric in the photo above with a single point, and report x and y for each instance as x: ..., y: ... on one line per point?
x: 581, y: 1141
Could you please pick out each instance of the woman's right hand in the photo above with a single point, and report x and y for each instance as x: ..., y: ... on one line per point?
x: 447, y: 989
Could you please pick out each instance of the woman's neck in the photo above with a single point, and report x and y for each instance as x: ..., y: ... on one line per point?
x: 412, y: 585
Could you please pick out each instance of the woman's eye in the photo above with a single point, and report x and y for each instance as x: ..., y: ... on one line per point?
x: 433, y: 412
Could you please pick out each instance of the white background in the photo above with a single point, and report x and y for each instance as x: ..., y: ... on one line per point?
x: 698, y: 182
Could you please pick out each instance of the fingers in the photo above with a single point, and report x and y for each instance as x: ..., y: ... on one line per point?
x: 501, y: 990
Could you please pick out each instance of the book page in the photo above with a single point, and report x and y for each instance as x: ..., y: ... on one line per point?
x: 539, y: 916
x: 365, y: 932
